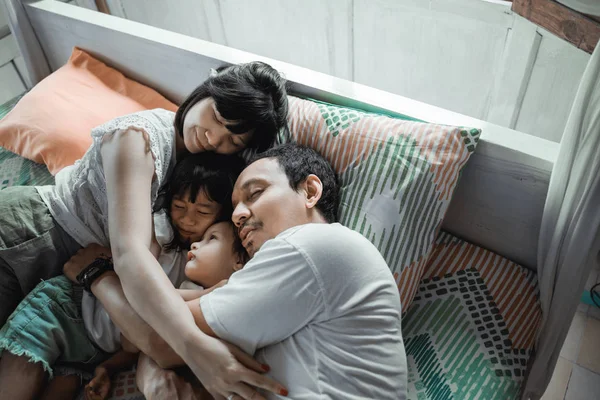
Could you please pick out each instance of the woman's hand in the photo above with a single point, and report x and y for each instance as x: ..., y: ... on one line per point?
x: 226, y: 370
x: 83, y: 258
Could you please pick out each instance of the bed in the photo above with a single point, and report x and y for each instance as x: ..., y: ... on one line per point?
x: 471, y: 328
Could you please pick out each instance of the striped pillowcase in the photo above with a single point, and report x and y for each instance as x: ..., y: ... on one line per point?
x: 396, y: 178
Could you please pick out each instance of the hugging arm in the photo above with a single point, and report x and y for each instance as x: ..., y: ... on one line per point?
x: 129, y: 171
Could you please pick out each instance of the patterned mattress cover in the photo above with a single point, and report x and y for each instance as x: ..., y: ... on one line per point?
x: 468, y: 334
x: 470, y: 331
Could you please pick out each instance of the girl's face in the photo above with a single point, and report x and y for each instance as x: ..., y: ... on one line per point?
x: 204, y: 129
x: 193, y: 219
x: 213, y: 258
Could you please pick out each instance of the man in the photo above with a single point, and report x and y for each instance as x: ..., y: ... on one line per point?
x: 317, y: 302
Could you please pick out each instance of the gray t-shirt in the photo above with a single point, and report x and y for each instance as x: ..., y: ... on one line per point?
x: 318, y: 304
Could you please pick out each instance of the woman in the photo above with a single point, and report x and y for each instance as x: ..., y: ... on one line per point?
x: 108, y: 197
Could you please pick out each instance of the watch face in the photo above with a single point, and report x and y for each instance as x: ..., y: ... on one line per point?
x: 93, y: 271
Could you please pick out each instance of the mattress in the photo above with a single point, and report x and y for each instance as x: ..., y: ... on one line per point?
x: 470, y: 331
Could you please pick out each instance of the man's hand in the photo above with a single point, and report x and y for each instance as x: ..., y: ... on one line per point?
x: 99, y: 386
x: 83, y: 258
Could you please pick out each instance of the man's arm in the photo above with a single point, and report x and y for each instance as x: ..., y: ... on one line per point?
x: 193, y: 294
x: 276, y: 294
x: 196, y: 310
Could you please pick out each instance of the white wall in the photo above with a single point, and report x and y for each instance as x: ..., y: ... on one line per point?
x: 471, y: 56
x: 11, y: 83
x: 12, y: 68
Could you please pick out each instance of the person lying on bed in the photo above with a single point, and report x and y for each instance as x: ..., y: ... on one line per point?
x: 108, y: 197
x: 55, y: 324
x: 316, y: 302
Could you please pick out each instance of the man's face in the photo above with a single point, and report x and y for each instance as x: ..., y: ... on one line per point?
x: 265, y: 205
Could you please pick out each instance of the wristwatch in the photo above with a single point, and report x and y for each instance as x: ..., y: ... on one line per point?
x: 93, y: 271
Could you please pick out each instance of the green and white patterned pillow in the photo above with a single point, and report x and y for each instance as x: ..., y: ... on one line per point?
x: 397, y: 177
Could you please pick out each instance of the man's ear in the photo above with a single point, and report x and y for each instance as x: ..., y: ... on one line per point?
x: 314, y: 189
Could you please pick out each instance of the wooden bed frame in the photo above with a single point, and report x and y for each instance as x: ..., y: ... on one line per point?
x: 500, y: 198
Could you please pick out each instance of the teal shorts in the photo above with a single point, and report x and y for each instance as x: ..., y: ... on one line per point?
x: 47, y: 327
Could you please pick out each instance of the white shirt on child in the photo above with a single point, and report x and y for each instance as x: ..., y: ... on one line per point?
x: 98, y: 324
x: 319, y: 304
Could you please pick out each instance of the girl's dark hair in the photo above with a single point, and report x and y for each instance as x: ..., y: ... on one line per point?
x: 252, y: 94
x: 213, y: 173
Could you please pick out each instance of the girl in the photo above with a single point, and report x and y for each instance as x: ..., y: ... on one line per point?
x: 48, y: 325
x: 108, y: 197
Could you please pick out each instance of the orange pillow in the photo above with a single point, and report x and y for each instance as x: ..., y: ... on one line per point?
x: 51, y: 124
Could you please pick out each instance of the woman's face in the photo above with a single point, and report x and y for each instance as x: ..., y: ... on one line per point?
x: 204, y: 129
x: 193, y: 219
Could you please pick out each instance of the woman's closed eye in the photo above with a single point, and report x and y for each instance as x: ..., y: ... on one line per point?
x: 216, y: 119
x: 236, y: 144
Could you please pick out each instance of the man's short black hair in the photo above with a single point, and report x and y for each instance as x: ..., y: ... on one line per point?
x: 298, y: 162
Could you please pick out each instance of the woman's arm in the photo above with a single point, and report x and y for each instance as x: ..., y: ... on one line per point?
x: 129, y: 171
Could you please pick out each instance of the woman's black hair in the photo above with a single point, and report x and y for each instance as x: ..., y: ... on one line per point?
x: 253, y: 95
x: 214, y: 174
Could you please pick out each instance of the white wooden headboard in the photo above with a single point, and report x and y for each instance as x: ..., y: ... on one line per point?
x: 500, y: 198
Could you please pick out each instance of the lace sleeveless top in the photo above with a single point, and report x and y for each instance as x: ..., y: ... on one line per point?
x: 78, y: 201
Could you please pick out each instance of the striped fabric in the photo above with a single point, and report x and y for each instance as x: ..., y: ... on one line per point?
x: 16, y: 170
x: 397, y: 178
x: 470, y: 331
